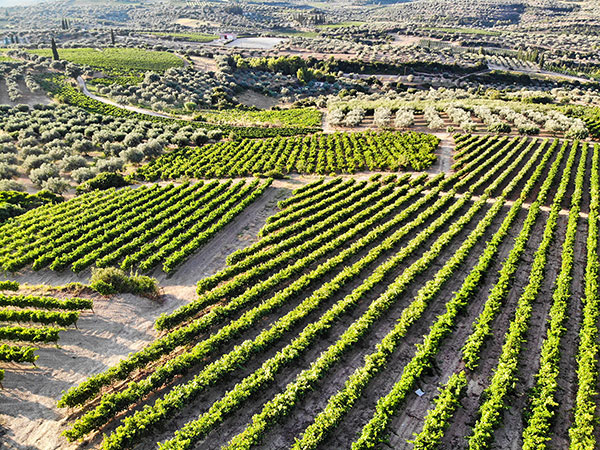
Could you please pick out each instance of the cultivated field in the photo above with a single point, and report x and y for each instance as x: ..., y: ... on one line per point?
x: 299, y: 225
x: 120, y: 59
x: 361, y: 299
x: 134, y: 228
x: 320, y: 154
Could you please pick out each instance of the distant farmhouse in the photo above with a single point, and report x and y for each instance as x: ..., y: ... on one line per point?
x: 227, y: 36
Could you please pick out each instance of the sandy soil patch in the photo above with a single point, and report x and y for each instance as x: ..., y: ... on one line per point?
x: 193, y: 23
x: 204, y: 64
x: 29, y: 418
x: 252, y: 98
x: 257, y: 42
x: 403, y: 40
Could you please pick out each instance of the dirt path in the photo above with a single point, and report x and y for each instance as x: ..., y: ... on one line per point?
x: 240, y: 233
x: 204, y: 64
x: 83, y: 87
x: 249, y: 98
x: 4, y: 99
x: 540, y: 72
x: 444, y: 154
x: 325, y: 123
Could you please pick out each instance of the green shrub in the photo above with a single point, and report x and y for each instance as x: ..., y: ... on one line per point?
x: 111, y: 280
x: 102, y: 181
x: 13, y: 203
x: 8, y: 210
x: 499, y: 127
x: 274, y: 174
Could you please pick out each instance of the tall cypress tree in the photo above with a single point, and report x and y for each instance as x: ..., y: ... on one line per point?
x: 112, y: 36
x: 55, y: 56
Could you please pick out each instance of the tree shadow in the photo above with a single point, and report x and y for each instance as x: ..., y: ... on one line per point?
x: 19, y: 406
x: 7, y: 443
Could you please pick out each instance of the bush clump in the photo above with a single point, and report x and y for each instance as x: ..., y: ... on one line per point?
x: 111, y: 280
x: 14, y: 203
x: 11, y: 185
x: 103, y: 181
x: 499, y: 127
x: 276, y: 174
x: 8, y: 210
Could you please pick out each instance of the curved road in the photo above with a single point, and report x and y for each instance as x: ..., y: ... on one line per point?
x: 540, y: 72
x: 149, y: 112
